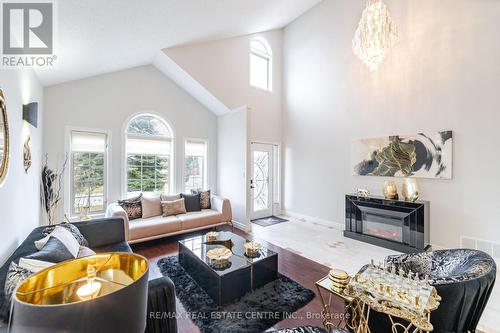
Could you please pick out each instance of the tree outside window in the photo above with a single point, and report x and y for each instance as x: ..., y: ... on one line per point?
x: 149, y: 151
x: 88, y: 171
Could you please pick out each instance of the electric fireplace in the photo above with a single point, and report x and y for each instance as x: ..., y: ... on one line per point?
x: 398, y: 225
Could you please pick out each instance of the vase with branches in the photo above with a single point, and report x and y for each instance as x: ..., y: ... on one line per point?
x: 51, y: 190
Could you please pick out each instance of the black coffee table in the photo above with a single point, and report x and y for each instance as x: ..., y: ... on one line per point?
x: 242, y: 273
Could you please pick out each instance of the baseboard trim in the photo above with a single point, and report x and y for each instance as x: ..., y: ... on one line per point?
x: 242, y: 226
x: 327, y: 223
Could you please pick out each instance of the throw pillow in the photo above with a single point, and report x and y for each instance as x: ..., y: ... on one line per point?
x: 175, y: 207
x: 204, y: 198
x: 192, y: 202
x: 151, y: 207
x: 15, y: 276
x: 34, y: 265
x: 53, y: 251
x: 85, y: 252
x: 132, y: 206
x: 72, y: 228
x: 64, y: 236
x: 170, y: 197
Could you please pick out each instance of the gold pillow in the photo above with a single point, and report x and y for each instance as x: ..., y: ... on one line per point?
x: 175, y: 207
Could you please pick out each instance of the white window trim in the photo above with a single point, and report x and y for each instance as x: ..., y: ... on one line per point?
x: 173, y: 170
x: 268, y: 57
x: 206, y: 185
x: 68, y: 181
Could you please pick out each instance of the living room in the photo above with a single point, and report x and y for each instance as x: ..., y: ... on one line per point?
x: 248, y: 166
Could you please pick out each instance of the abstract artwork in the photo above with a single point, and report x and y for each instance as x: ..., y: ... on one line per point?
x: 419, y: 155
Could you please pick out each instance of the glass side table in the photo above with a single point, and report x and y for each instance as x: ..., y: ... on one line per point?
x: 335, y: 320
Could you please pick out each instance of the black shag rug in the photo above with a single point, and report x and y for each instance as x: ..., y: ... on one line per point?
x: 255, y: 312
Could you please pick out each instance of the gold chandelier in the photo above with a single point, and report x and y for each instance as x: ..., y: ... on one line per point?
x: 375, y: 35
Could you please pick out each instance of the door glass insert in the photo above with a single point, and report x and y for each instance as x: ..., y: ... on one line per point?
x: 260, y: 180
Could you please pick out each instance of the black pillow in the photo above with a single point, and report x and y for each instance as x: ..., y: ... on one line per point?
x: 204, y: 198
x: 53, y: 251
x: 192, y: 202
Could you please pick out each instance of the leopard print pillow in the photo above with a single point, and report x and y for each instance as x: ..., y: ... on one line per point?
x: 133, y: 207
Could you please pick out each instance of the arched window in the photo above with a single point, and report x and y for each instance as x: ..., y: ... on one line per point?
x: 149, y: 150
x: 261, y: 69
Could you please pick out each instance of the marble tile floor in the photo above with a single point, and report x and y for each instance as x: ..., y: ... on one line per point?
x: 326, y: 244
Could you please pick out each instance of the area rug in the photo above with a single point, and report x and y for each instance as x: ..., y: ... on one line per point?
x: 268, y: 221
x: 255, y: 312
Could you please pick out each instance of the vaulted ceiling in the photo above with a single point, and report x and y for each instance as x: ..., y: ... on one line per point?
x: 98, y: 36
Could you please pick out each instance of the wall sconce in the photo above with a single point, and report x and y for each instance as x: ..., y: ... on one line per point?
x: 30, y: 113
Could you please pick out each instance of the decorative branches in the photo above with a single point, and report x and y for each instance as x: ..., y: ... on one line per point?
x: 51, y: 190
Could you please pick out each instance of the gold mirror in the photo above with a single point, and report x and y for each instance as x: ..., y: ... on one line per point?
x: 4, y: 139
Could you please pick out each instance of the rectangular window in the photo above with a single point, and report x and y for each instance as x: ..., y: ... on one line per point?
x: 260, y: 67
x: 195, y: 164
x: 148, y: 166
x: 88, y: 166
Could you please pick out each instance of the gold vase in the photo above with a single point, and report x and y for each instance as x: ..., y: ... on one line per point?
x: 390, y: 190
x: 410, y: 189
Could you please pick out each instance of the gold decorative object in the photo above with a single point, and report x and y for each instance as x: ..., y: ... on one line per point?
x: 212, y: 235
x: 4, y: 139
x: 27, y: 154
x: 390, y: 190
x: 219, y: 257
x: 375, y: 35
x: 410, y: 189
x: 252, y: 249
x: 339, y: 279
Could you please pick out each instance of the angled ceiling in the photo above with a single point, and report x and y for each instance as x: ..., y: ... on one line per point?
x: 99, y: 36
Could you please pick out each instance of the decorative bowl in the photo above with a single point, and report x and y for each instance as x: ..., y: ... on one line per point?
x: 252, y: 249
x: 212, y: 235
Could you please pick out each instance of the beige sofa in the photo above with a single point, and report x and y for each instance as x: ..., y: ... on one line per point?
x: 140, y: 230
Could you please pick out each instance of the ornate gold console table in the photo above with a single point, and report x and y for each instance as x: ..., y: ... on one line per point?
x: 359, y: 305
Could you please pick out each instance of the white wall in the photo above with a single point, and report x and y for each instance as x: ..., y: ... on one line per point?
x: 222, y: 67
x: 443, y: 73
x: 106, y: 102
x: 19, y: 194
x: 232, y: 167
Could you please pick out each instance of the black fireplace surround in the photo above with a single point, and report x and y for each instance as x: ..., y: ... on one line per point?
x: 397, y: 225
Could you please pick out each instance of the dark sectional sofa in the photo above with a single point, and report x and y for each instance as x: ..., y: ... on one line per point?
x: 104, y: 235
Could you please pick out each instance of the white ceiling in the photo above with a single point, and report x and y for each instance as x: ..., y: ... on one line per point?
x: 99, y: 36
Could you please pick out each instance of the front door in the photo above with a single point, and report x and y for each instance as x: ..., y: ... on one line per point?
x: 261, y: 183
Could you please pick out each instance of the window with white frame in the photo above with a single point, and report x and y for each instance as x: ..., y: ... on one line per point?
x: 88, y: 172
x: 149, y: 147
x: 260, y: 64
x: 195, y: 164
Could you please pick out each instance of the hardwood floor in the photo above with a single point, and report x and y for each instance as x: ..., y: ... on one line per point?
x: 300, y: 269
